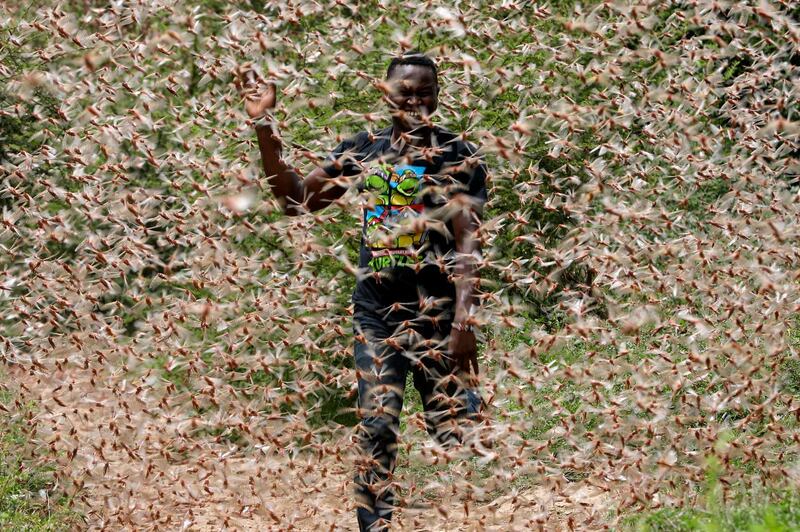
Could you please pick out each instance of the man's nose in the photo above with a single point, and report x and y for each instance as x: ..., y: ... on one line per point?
x: 413, y: 101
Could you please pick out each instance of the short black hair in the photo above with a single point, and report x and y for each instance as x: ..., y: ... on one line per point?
x: 413, y: 57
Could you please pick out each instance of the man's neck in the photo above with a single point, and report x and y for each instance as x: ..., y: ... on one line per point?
x: 418, y: 138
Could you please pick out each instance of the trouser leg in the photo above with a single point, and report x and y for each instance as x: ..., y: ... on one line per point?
x: 381, y: 372
x: 447, y: 403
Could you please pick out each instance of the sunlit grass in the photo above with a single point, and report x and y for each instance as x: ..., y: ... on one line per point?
x: 29, y: 500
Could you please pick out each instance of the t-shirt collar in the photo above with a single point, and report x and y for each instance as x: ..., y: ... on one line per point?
x: 396, y: 146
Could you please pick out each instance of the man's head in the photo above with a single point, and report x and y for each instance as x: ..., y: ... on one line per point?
x: 413, y: 89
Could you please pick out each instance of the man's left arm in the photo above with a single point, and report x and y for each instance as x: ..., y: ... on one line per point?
x: 466, y: 215
x: 463, y: 343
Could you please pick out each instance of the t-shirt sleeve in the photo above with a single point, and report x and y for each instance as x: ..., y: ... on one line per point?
x: 345, y: 158
x: 472, y: 173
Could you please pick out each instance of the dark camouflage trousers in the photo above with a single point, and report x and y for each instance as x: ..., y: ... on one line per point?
x: 387, y: 347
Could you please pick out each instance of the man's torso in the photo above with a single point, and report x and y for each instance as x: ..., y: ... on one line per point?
x: 407, y: 244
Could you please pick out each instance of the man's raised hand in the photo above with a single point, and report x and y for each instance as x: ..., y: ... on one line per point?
x: 259, y: 96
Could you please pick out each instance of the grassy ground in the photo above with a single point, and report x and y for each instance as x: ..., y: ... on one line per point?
x: 26, y: 494
x: 29, y: 501
x: 779, y: 515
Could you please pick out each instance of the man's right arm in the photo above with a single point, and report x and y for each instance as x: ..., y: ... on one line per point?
x: 296, y: 194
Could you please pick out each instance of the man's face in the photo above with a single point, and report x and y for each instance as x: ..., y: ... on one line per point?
x: 413, y: 95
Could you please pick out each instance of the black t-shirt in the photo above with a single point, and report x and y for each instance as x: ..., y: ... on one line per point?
x: 407, y: 245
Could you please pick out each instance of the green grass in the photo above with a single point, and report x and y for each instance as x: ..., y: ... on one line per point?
x: 23, y: 508
x: 28, y: 500
x: 779, y: 515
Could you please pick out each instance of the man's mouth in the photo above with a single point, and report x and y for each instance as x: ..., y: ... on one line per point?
x: 414, y: 116
x: 413, y: 119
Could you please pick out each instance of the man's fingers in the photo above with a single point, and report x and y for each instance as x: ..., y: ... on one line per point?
x: 474, y: 361
x: 245, y: 77
x: 239, y: 74
x: 257, y: 93
x: 468, y: 364
x: 268, y: 97
x: 471, y: 365
x: 251, y: 78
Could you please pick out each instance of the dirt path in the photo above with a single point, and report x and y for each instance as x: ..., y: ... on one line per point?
x: 138, y: 470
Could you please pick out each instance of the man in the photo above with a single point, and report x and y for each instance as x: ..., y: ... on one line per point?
x: 422, y: 190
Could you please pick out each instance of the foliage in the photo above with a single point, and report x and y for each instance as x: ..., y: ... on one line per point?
x: 189, y: 345
x: 779, y: 516
x: 28, y: 500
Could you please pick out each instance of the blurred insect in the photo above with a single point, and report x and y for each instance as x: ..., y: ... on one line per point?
x: 179, y: 353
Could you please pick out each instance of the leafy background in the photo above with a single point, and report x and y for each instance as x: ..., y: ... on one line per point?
x: 178, y: 354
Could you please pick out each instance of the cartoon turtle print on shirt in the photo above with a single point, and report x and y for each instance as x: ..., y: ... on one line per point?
x: 394, y: 206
